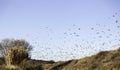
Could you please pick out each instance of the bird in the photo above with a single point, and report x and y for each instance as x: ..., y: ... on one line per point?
x: 108, y: 29
x: 113, y: 16
x: 92, y: 28
x: 118, y: 26
x: 78, y: 28
x: 116, y: 21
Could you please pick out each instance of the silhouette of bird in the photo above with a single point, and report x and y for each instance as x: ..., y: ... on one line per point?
x: 113, y: 16
x: 78, y: 28
x: 74, y: 33
x: 92, y: 28
x: 116, y: 21
x: 74, y: 25
x: 77, y: 35
x: 108, y: 29
x: 97, y: 33
x: 118, y: 26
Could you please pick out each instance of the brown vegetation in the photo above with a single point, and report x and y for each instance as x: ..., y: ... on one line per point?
x: 104, y: 60
x: 5, y: 44
x: 15, y: 55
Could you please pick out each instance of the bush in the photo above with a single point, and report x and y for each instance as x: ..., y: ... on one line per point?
x: 5, y: 44
x: 15, y: 55
x: 29, y: 65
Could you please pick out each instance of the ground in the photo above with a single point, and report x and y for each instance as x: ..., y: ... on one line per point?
x: 104, y: 60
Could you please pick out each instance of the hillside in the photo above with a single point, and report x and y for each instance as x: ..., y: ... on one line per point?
x: 104, y: 60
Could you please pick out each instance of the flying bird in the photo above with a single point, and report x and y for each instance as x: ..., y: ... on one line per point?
x: 116, y: 21
x: 92, y: 28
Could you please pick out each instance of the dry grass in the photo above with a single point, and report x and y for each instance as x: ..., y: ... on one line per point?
x: 104, y: 60
x: 15, y: 55
x: 10, y: 67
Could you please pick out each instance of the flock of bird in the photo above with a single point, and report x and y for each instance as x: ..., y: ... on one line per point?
x: 71, y: 45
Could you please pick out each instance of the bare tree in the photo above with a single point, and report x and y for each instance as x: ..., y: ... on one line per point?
x: 4, y: 46
x: 8, y: 43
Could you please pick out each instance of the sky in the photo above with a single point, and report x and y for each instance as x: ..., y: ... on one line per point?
x: 62, y: 29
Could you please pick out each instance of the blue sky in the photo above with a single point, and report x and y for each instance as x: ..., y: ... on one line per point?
x: 62, y: 29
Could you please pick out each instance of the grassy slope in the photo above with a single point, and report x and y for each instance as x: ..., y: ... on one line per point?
x: 105, y: 60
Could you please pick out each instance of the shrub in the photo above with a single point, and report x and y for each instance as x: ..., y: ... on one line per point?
x: 29, y: 65
x: 5, y: 44
x: 15, y: 55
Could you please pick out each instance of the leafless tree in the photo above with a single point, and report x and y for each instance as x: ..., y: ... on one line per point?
x: 7, y: 43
